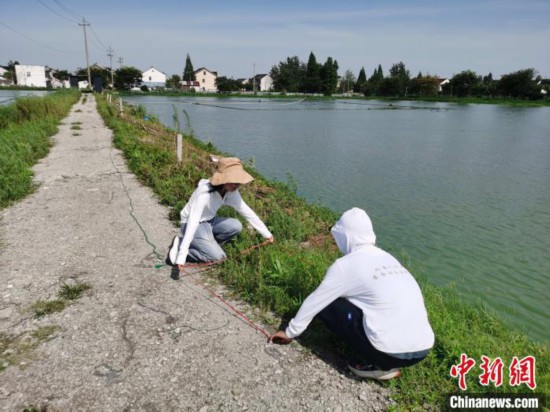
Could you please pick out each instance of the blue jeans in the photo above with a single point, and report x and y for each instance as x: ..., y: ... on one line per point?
x: 205, y: 246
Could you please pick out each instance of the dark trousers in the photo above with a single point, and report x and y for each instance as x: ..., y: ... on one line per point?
x: 345, y: 320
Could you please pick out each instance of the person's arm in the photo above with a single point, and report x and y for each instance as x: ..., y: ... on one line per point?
x: 331, y: 288
x: 236, y: 202
x: 197, y: 206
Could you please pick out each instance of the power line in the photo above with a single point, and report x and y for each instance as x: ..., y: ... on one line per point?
x: 97, y: 38
x: 56, y: 12
x: 34, y: 41
x: 68, y: 10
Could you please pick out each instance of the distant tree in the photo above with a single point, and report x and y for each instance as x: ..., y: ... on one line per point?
x: 391, y: 87
x: 62, y: 74
x: 347, y: 82
x: 424, y: 86
x: 173, y: 82
x: 288, y: 75
x: 399, y: 72
x: 312, y: 81
x: 228, y: 85
x: 372, y: 87
x: 127, y: 77
x: 463, y: 83
x: 188, y: 71
x: 329, y: 77
x: 522, y: 84
x: 361, y: 80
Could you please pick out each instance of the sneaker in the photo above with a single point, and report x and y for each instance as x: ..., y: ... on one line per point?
x: 370, y: 371
x: 173, y: 251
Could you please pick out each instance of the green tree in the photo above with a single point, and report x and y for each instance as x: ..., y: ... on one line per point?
x: 372, y: 87
x: 399, y: 72
x: 228, y: 85
x: 62, y: 74
x: 329, y: 77
x: 391, y: 87
x: 522, y: 84
x: 127, y: 77
x: 347, y: 82
x: 463, y: 83
x: 288, y: 75
x: 188, y: 71
x: 312, y: 81
x: 424, y: 85
x: 173, y: 82
x: 361, y: 80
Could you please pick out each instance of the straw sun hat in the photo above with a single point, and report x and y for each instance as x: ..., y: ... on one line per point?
x: 230, y: 170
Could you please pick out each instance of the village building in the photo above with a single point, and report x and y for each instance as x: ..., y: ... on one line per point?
x: 153, y: 78
x: 5, y: 78
x: 263, y: 83
x: 30, y: 76
x: 206, y: 80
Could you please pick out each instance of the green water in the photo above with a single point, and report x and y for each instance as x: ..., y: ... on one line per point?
x: 463, y: 189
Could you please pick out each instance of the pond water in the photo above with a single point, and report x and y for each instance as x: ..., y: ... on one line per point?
x: 463, y: 189
x: 8, y: 96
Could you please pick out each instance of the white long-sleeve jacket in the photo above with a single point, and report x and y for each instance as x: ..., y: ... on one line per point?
x: 394, y: 315
x: 203, y: 206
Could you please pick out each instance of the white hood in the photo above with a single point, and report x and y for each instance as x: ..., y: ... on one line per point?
x: 353, y: 230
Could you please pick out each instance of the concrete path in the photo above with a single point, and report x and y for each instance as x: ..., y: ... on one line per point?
x: 136, y: 340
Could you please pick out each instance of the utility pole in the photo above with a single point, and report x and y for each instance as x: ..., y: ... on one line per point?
x: 84, y: 24
x: 110, y: 54
x: 120, y: 62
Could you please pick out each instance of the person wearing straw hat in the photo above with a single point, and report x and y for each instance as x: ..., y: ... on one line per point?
x: 203, y: 232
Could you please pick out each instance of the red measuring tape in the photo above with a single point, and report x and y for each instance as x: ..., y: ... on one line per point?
x: 216, y: 262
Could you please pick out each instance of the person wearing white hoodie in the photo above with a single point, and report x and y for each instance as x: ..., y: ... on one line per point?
x: 370, y: 301
x: 202, y: 231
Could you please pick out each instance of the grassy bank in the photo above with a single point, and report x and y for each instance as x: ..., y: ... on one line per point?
x: 277, y: 278
x: 25, y: 130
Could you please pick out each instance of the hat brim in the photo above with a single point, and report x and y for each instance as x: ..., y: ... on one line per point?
x: 234, y: 176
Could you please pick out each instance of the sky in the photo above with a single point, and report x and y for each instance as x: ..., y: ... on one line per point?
x: 241, y: 38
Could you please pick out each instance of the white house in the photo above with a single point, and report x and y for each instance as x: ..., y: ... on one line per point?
x: 263, y: 83
x: 153, y: 78
x: 206, y: 79
x: 30, y: 76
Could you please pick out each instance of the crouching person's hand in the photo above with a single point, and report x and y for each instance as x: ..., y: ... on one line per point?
x: 280, y: 338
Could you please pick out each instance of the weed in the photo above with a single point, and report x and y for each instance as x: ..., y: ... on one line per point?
x: 66, y: 293
x: 76, y: 127
x: 15, y: 350
x: 73, y: 292
x: 47, y: 307
x: 76, y: 134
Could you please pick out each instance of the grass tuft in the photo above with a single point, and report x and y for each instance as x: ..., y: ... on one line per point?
x: 73, y: 292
